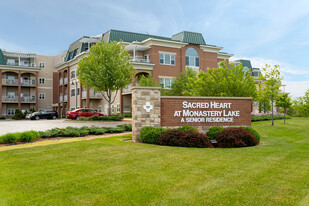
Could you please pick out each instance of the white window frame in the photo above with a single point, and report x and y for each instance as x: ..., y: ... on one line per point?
x: 10, y: 62
x: 42, y: 63
x: 99, y: 109
x: 113, y: 108
x: 42, y: 96
x: 163, y: 83
x: 41, y: 80
x: 118, y: 108
x: 73, y: 91
x: 172, y: 58
x: 73, y: 74
x: 10, y: 112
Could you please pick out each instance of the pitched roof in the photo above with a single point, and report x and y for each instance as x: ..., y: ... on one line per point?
x: 2, y: 60
x: 190, y: 37
x: 116, y: 35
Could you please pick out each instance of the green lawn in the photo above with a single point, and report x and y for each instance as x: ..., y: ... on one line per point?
x: 113, y: 172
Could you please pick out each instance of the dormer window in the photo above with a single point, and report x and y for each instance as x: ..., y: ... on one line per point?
x: 192, y: 58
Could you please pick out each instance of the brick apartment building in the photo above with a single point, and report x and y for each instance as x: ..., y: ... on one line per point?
x: 50, y: 82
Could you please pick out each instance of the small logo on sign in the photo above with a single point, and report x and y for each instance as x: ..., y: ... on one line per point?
x: 148, y: 107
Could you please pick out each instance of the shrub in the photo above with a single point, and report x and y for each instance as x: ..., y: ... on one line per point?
x: 99, y: 131
x: 9, y: 138
x: 254, y: 132
x: 179, y: 138
x: 127, y: 115
x: 113, y: 129
x: 29, y: 136
x: 186, y: 128
x: 235, y: 137
x: 126, y: 127
x: 18, y: 115
x: 105, y: 118
x: 213, y: 131
x: 150, y: 134
x: 2, y: 117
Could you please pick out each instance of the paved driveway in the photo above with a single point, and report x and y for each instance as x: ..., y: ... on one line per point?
x: 42, y: 125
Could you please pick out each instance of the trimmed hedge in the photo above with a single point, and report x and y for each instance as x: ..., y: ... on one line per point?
x: 186, y: 128
x: 150, y: 135
x: 213, y: 131
x: 268, y: 117
x: 179, y: 138
x: 254, y: 132
x: 104, y: 118
x: 9, y: 138
x: 2, y: 117
x: 235, y: 137
x: 29, y: 136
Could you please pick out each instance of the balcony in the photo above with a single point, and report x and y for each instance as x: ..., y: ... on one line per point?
x: 65, y: 98
x: 95, y: 95
x: 28, y: 99
x: 140, y: 59
x: 61, y: 82
x: 127, y: 90
x: 28, y: 82
x: 9, y: 99
x: 9, y: 81
x: 65, y: 80
x: 61, y: 98
x: 21, y: 64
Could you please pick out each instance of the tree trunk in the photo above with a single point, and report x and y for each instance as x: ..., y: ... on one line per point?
x: 109, y: 108
x: 272, y: 111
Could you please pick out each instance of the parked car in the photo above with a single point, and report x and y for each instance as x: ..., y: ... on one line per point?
x: 43, y: 115
x: 77, y: 113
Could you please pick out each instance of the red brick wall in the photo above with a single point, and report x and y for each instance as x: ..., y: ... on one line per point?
x: 170, y: 105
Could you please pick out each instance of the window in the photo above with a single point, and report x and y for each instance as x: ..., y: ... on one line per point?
x: 99, y: 109
x: 11, y: 62
x: 42, y: 64
x: 72, y: 92
x: 192, y: 58
x: 26, y: 63
x: 70, y: 56
x: 113, y: 108
x: 41, y: 81
x: 77, y: 92
x: 74, y: 53
x: 72, y: 74
x: 245, y: 69
x: 166, y: 83
x: 42, y: 96
x: 168, y: 59
x: 11, y: 95
x: 11, y: 112
x: 118, y: 108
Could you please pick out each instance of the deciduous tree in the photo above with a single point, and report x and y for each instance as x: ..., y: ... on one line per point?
x: 107, y: 68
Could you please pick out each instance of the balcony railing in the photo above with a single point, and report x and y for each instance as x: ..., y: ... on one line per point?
x: 21, y: 65
x: 126, y: 90
x: 27, y: 99
x: 140, y: 59
x: 28, y: 82
x: 9, y: 99
x: 65, y: 98
x: 95, y: 95
x: 10, y: 81
x: 65, y: 80
x: 61, y: 98
x: 61, y: 81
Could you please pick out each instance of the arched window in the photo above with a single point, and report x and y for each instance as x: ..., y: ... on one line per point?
x: 192, y: 58
x: 245, y: 69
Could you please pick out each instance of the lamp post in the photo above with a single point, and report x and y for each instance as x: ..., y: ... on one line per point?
x: 74, y: 81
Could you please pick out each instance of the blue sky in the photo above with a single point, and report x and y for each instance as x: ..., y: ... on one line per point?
x: 272, y: 32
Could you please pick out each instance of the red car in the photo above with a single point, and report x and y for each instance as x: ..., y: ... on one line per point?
x: 77, y: 113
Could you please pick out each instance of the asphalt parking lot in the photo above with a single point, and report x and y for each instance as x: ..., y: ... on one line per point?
x: 42, y: 125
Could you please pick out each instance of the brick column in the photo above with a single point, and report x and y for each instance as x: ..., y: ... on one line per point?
x: 146, y: 109
x: 0, y: 92
x: 19, y: 90
x: 87, y: 99
x: 36, y: 91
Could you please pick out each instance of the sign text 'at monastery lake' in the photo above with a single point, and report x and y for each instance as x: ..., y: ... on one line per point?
x: 215, y: 111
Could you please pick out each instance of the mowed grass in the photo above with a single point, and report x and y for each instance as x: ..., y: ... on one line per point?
x: 110, y: 171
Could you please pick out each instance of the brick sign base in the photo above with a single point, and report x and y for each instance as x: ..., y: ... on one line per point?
x: 206, y: 111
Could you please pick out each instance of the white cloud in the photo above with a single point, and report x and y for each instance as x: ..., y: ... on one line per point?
x: 296, y: 88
